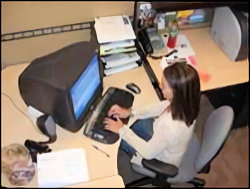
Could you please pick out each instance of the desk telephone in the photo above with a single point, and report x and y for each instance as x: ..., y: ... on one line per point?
x: 144, y: 39
x: 150, y: 40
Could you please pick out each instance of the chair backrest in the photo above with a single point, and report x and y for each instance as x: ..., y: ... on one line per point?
x: 206, y: 108
x: 216, y: 129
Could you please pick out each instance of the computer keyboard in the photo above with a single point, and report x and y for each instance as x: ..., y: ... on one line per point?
x: 103, y: 114
x: 95, y: 127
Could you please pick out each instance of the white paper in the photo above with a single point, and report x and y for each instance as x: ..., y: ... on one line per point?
x: 120, y: 59
x: 33, y: 114
x: 184, y: 49
x: 118, y: 44
x: 112, y: 28
x: 120, y: 68
x: 62, y: 168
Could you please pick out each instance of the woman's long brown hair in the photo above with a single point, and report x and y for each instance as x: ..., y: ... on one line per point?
x: 185, y: 83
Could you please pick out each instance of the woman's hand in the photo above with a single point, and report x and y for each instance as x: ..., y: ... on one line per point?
x: 112, y: 125
x: 117, y: 110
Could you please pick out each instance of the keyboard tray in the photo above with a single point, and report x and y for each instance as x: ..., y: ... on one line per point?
x: 118, y: 96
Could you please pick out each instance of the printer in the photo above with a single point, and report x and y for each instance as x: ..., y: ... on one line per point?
x: 230, y: 31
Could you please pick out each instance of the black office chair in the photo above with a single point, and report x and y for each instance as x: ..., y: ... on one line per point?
x: 198, y: 157
x: 162, y: 171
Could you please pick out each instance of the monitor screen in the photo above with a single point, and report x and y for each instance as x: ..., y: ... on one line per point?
x: 85, y: 87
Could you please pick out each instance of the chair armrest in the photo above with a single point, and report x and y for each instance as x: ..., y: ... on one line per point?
x: 159, y: 167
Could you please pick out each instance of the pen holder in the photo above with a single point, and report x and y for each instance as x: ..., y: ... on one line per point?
x: 17, y: 165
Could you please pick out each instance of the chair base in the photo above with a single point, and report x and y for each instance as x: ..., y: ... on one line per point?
x: 141, y: 182
x: 197, y: 182
x: 158, y: 181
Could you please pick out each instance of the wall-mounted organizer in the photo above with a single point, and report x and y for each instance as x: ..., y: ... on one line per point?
x: 45, y: 31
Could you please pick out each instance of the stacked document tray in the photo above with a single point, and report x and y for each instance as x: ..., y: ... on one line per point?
x: 120, y: 62
x: 117, y: 46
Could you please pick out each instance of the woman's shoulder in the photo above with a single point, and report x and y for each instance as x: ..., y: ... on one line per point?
x: 163, y: 103
x: 175, y: 123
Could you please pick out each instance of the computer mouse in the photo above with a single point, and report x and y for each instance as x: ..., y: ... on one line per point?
x: 134, y: 88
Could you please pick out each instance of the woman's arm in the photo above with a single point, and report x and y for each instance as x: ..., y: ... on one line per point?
x: 147, y: 149
x: 152, y: 110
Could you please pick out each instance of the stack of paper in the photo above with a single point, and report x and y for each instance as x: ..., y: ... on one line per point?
x: 56, y: 169
x: 117, y: 47
x: 113, y: 28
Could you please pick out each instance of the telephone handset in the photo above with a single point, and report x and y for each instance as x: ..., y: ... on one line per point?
x: 151, y: 41
x: 144, y: 39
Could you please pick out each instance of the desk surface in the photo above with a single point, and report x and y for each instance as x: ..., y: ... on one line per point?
x: 16, y: 128
x: 211, y: 60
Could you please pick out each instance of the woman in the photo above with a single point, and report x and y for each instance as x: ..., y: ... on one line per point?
x: 163, y: 130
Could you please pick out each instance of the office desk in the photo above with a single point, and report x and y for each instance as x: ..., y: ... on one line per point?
x: 16, y: 128
x: 211, y: 60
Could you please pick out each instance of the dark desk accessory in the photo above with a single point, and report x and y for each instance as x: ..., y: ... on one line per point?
x: 47, y: 126
x: 167, y: 55
x: 134, y: 88
x: 36, y: 147
x: 172, y: 52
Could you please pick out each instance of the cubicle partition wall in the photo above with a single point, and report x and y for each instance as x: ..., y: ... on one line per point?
x: 32, y: 29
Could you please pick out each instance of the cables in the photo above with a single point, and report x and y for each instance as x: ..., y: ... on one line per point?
x: 14, y: 104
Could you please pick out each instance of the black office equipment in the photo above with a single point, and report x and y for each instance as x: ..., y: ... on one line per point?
x: 64, y: 84
x: 134, y: 88
x: 144, y: 39
x: 67, y: 86
x: 47, y: 125
x: 94, y: 126
x: 35, y: 148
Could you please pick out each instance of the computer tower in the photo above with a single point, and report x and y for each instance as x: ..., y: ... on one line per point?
x: 230, y: 31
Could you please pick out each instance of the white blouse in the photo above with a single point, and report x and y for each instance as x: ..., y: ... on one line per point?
x: 170, y: 137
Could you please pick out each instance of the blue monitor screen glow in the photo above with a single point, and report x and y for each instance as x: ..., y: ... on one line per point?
x: 85, y: 87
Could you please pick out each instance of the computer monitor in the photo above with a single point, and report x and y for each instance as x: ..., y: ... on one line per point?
x: 64, y: 84
x: 85, y: 87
